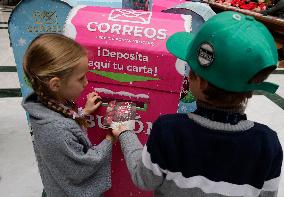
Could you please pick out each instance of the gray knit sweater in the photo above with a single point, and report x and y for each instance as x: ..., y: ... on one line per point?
x: 68, y: 164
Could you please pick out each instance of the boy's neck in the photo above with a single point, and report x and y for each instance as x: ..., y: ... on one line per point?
x: 224, y: 115
x: 230, y: 109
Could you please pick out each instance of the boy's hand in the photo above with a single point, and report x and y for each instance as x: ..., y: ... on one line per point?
x: 119, y: 130
x: 92, y: 103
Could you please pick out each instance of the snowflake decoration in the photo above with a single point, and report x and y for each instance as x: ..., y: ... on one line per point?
x: 22, y: 42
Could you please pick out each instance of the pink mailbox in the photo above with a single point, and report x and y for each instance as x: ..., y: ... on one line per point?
x: 128, y: 61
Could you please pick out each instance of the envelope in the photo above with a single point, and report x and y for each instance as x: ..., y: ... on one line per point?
x: 130, y: 16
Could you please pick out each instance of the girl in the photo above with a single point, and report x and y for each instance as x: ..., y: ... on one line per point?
x: 69, y: 165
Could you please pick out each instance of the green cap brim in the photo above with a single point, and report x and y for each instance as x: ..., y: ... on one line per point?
x: 179, y: 43
x: 266, y: 86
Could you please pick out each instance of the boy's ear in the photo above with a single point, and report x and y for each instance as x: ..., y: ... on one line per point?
x: 54, y: 84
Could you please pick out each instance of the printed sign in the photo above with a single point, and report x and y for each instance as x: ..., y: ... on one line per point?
x: 130, y: 16
x: 128, y: 61
x: 29, y: 19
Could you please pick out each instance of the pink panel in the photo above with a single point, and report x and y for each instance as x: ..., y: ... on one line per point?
x: 128, y: 60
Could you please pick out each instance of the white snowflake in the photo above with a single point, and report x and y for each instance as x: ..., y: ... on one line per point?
x: 14, y: 27
x: 22, y: 42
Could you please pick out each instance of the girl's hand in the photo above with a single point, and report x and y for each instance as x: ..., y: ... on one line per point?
x: 92, y: 104
x: 111, y: 137
x: 123, y: 118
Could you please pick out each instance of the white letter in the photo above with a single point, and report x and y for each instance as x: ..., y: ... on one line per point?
x: 141, y: 127
x: 162, y: 34
x: 102, y: 25
x: 138, y: 31
x: 149, y: 127
x: 115, y: 28
x: 105, y: 54
x: 127, y: 29
x: 89, y: 26
x: 146, y: 32
x: 99, y: 51
x: 91, y: 121
x: 100, y: 124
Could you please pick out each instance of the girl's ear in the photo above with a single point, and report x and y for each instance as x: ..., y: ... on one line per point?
x: 54, y: 84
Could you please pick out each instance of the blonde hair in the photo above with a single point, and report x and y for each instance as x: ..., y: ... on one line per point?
x: 48, y: 56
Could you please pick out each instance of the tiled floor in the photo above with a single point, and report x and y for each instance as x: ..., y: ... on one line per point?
x: 19, y: 175
x: 18, y: 170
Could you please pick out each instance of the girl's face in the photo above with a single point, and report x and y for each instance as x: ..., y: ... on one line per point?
x: 72, y: 87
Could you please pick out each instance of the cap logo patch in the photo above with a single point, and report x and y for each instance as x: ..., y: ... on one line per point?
x: 206, y: 54
x: 237, y: 17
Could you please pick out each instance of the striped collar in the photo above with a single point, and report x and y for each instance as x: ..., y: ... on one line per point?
x: 232, y: 117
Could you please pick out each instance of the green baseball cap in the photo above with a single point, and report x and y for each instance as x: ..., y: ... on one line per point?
x: 227, y: 51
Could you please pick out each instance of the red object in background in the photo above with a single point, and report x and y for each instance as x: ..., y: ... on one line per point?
x: 237, y: 3
x: 262, y: 6
x: 249, y: 6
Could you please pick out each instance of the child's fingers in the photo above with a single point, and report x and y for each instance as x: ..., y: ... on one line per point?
x: 92, y: 98
x: 96, y: 99
x: 92, y: 94
x: 97, y: 104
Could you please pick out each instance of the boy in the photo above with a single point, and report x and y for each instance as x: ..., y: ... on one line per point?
x: 214, y: 151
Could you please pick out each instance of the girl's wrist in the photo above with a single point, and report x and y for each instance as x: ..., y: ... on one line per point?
x: 85, y: 112
x: 111, y: 138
